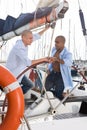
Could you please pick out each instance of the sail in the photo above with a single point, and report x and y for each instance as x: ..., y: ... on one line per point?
x: 49, y: 3
x: 12, y: 27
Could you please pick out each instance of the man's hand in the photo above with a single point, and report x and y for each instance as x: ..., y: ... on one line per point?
x: 47, y: 59
x: 54, y: 59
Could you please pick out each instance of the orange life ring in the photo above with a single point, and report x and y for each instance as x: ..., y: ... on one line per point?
x: 15, y: 99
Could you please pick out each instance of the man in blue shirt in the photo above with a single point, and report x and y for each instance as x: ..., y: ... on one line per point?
x: 18, y: 58
x: 59, y: 71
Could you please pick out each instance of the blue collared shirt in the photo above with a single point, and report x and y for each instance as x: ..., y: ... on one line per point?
x: 65, y: 68
x: 18, y: 57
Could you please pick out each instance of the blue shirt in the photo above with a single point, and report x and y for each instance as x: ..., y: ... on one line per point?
x: 18, y: 57
x: 65, y: 68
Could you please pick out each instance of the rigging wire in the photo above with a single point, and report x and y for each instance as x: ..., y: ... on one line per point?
x: 3, y: 43
x: 74, y: 49
x: 51, y: 106
x: 64, y: 99
x: 69, y: 35
x: 34, y: 2
x: 26, y: 5
x: 27, y: 123
x: 21, y: 6
x: 79, y: 4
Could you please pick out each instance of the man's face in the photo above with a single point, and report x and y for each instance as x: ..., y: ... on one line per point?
x: 28, y: 39
x: 59, y: 44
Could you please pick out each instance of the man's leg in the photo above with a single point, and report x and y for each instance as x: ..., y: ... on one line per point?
x: 26, y: 84
x: 59, y: 86
x: 49, y: 83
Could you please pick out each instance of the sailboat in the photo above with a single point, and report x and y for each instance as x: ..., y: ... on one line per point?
x: 45, y: 112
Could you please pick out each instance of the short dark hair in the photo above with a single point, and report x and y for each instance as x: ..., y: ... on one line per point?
x: 62, y: 38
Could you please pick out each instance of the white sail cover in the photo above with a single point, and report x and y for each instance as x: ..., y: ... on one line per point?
x: 46, y: 12
x: 47, y: 3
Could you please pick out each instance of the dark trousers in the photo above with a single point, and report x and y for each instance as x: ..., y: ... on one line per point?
x: 54, y: 83
x: 26, y: 84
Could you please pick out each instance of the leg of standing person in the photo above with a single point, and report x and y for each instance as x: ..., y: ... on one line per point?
x: 49, y: 83
x: 59, y: 85
x: 26, y: 84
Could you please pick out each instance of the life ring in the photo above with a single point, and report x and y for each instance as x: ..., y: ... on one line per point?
x: 15, y: 99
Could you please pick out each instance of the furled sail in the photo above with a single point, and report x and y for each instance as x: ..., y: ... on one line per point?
x: 12, y: 27
x: 49, y: 3
x: 83, y: 28
x: 82, y: 22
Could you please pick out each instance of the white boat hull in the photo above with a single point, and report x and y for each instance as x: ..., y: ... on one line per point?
x: 48, y: 123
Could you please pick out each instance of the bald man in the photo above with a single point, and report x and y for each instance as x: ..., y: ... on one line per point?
x: 18, y: 59
x: 59, y: 71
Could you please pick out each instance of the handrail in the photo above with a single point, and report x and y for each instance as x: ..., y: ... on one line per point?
x: 75, y: 68
x: 29, y: 67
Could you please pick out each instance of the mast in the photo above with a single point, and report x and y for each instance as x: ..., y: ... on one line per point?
x: 74, y: 49
x: 83, y: 27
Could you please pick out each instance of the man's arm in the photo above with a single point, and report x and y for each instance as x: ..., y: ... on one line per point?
x: 41, y: 60
x: 38, y: 35
x: 44, y: 30
x: 53, y: 59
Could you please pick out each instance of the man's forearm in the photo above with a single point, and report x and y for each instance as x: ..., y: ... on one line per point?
x: 45, y: 29
x: 41, y: 60
x: 53, y: 59
x: 60, y: 61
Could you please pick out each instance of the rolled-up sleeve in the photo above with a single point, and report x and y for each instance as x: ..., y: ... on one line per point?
x: 68, y: 59
x: 36, y: 36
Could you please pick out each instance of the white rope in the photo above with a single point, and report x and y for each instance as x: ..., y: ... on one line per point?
x: 11, y: 87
